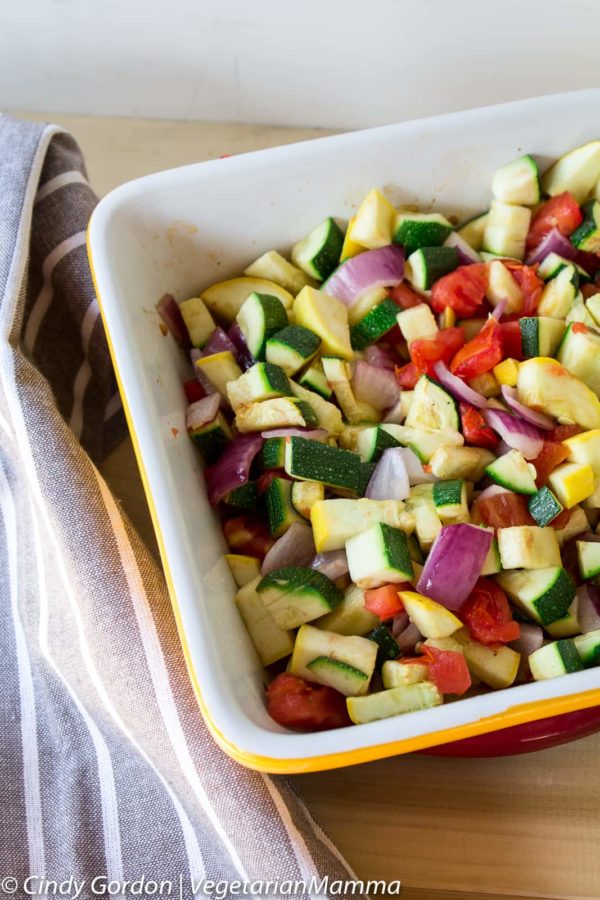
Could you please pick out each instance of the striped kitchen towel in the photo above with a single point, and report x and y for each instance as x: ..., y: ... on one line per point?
x: 108, y: 771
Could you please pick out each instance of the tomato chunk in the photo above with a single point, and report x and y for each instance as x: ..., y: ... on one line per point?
x: 296, y: 703
x: 462, y: 290
x: 512, y: 343
x: 447, y: 669
x: 425, y: 352
x: 248, y: 535
x: 404, y: 296
x: 481, y: 353
x: 560, y: 212
x: 474, y: 427
x: 407, y: 376
x: 488, y: 616
x: 502, y: 511
x: 384, y: 601
x: 562, y: 432
x: 529, y: 282
x: 193, y: 390
x: 550, y: 456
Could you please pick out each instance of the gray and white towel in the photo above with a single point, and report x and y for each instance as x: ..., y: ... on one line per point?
x: 107, y: 769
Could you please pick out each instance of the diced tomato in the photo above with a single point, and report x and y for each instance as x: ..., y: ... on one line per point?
x: 193, y: 390
x: 588, y: 261
x: 560, y: 212
x: 529, y: 282
x: 550, y: 456
x: 384, y: 601
x: 248, y: 535
x: 562, y: 433
x: 588, y: 290
x: 512, y: 343
x: 427, y: 351
x: 462, y: 290
x: 502, y: 511
x: 407, y: 376
x: 579, y: 328
x: 488, y: 616
x: 296, y: 703
x: 562, y: 520
x: 404, y: 296
x: 481, y: 353
x: 474, y: 427
x: 447, y: 669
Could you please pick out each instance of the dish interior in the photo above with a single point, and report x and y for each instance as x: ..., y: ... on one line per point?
x: 182, y: 230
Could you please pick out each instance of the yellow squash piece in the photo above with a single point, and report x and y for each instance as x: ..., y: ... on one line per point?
x: 374, y: 221
x: 350, y: 247
x: 220, y: 369
x: 432, y: 619
x: 327, y: 317
x: 585, y: 448
x: 225, y: 299
x: 243, y: 568
x: 544, y: 385
x: 572, y: 483
x: 507, y: 372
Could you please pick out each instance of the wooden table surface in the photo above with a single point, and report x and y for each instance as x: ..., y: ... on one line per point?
x: 516, y: 827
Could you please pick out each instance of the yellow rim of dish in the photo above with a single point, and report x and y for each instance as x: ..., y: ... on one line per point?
x: 516, y: 715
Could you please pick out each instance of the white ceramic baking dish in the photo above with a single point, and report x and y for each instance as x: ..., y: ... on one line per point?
x: 183, y: 229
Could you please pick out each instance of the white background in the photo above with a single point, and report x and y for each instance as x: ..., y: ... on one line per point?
x: 294, y: 62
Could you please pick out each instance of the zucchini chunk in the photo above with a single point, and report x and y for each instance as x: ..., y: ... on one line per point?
x: 379, y: 556
x: 343, y: 663
x: 518, y: 182
x: 295, y: 595
x: 319, y: 252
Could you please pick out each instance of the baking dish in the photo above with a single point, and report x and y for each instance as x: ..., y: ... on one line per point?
x: 183, y: 229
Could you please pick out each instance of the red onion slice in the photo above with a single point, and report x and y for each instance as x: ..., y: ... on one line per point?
x: 169, y: 311
x: 233, y: 468
x: 500, y: 308
x: 399, y: 623
x: 389, y: 481
x: 457, y: 387
x: 383, y: 267
x: 218, y: 342
x: 294, y: 548
x: 466, y: 254
x: 408, y: 639
x: 202, y: 412
x: 511, y: 396
x: 554, y: 242
x: 375, y: 385
x: 414, y: 468
x: 381, y: 357
x: 531, y: 639
x: 588, y: 608
x: 519, y: 435
x: 334, y: 563
x: 395, y: 415
x: 454, y: 564
x: 244, y: 357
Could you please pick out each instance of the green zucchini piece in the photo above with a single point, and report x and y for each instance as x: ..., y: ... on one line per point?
x: 428, y: 264
x: 544, y: 506
x: 416, y: 230
x: 309, y: 460
x: 280, y: 511
x: 318, y: 254
x: 543, y: 594
x: 260, y: 317
x: 292, y: 347
x: 295, y: 595
x: 374, y: 325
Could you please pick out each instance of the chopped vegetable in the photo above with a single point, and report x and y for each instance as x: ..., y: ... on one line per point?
x: 414, y: 445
